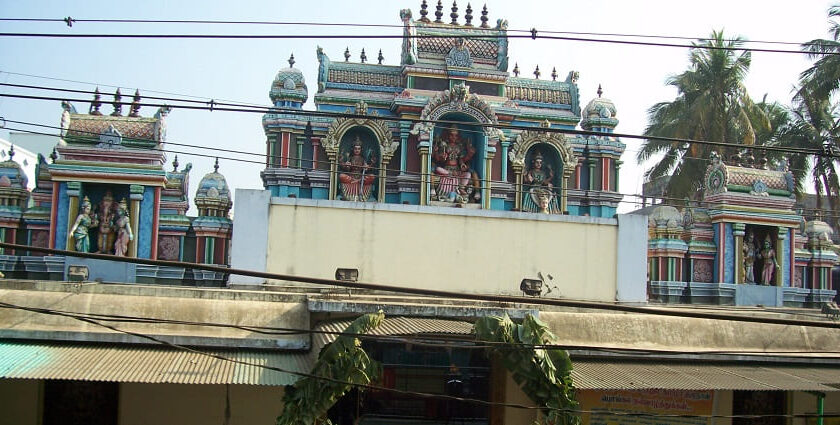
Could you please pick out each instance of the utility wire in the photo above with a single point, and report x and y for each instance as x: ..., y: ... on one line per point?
x: 412, y: 393
x: 301, y: 112
x: 420, y: 340
x: 432, y: 292
x: 695, y: 203
x: 70, y: 21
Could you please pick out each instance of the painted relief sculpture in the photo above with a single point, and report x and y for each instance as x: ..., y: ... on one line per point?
x: 768, y: 254
x: 456, y: 181
x: 358, y: 172
x: 749, y: 258
x: 538, y: 182
x: 81, y: 228
x: 107, y: 211
x: 123, y: 230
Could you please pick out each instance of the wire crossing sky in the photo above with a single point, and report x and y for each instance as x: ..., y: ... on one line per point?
x: 632, y: 76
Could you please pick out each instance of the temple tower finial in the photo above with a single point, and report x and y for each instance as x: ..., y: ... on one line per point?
x: 347, y: 54
x: 454, y: 14
x: 380, y: 58
x: 363, y: 56
x: 439, y: 13
x: 424, y: 10
x: 469, y: 16
x: 554, y: 74
x: 516, y: 70
x: 600, y: 90
x: 484, y: 17
x: 135, y: 105
x: 117, y: 105
x: 96, y: 104
x: 292, y: 60
x: 537, y: 72
x: 216, y: 165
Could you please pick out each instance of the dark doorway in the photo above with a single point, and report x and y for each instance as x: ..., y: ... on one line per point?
x: 80, y: 403
x: 759, y: 403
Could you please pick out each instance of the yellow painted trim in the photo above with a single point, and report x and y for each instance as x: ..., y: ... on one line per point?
x: 72, y: 212
x: 135, y: 221
x: 105, y: 165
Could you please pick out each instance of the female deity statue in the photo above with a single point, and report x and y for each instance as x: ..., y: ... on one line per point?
x: 123, y: 229
x: 354, y: 179
x: 749, y: 258
x: 105, y: 241
x: 768, y: 254
x: 81, y: 227
x: 540, y: 196
x: 451, y: 155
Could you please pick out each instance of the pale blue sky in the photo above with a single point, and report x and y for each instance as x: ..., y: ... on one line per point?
x: 242, y: 70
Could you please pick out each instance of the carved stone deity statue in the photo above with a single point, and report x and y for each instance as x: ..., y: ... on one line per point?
x: 451, y: 155
x: 81, y: 227
x: 539, y: 187
x: 358, y: 173
x: 748, y: 250
x: 768, y: 254
x: 107, y: 213
x: 123, y: 230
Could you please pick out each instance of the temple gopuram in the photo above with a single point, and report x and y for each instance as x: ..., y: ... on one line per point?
x: 450, y: 125
x: 106, y: 191
x: 742, y: 243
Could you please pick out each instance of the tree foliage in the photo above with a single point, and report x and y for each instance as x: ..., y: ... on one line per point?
x: 712, y: 104
x: 343, y: 360
x: 823, y: 78
x: 543, y: 374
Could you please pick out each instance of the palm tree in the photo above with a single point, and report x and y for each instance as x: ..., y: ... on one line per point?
x: 712, y: 104
x: 823, y: 78
x: 814, y: 125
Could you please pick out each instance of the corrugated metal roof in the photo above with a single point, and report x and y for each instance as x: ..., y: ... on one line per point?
x: 591, y: 374
x: 131, y: 363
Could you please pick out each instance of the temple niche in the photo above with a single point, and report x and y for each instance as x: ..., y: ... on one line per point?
x: 455, y: 179
x: 542, y: 163
x: 358, y: 150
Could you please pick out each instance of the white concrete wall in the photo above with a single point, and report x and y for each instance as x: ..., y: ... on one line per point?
x: 450, y: 249
x: 631, y: 277
x: 250, y: 234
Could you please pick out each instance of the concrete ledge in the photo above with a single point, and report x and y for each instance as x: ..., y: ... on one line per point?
x: 770, y: 296
x: 711, y: 293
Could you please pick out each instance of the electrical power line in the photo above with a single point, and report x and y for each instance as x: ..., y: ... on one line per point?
x: 431, y: 292
x: 279, y: 110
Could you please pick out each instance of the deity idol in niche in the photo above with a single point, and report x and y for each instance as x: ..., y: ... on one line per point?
x: 451, y: 156
x: 81, y: 227
x: 749, y: 258
x: 357, y: 172
x: 123, y: 229
x: 768, y: 254
x: 107, y: 213
x: 539, y: 187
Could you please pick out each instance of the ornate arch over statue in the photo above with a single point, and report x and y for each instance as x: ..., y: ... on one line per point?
x: 542, y: 162
x: 458, y: 101
x: 359, y: 150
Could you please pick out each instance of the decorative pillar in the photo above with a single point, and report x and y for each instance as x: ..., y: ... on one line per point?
x: 74, y: 190
x: 779, y: 278
x: 285, y: 148
x: 316, y: 143
x: 54, y: 214
x: 333, y: 177
x: 425, y: 174
x: 155, y: 224
x: 136, y: 196
x: 617, y: 168
x: 577, y: 175
x: 405, y: 127
x: 505, y: 146
x: 738, y: 232
x: 486, y: 181
x: 299, y: 151
x: 591, y: 163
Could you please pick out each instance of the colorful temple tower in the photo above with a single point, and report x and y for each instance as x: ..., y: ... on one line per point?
x: 106, y: 191
x: 742, y: 243
x: 448, y: 126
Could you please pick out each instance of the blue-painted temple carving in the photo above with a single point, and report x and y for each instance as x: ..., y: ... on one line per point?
x: 447, y: 126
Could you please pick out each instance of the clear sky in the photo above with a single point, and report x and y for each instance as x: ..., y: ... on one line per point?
x: 242, y: 70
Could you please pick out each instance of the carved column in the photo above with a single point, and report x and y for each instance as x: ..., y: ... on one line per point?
x: 738, y: 232
x: 591, y: 164
x: 486, y: 180
x: 425, y: 176
x: 779, y: 276
x: 74, y: 189
x: 135, y: 198
x: 617, y: 168
x: 505, y: 145
x: 333, y: 176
